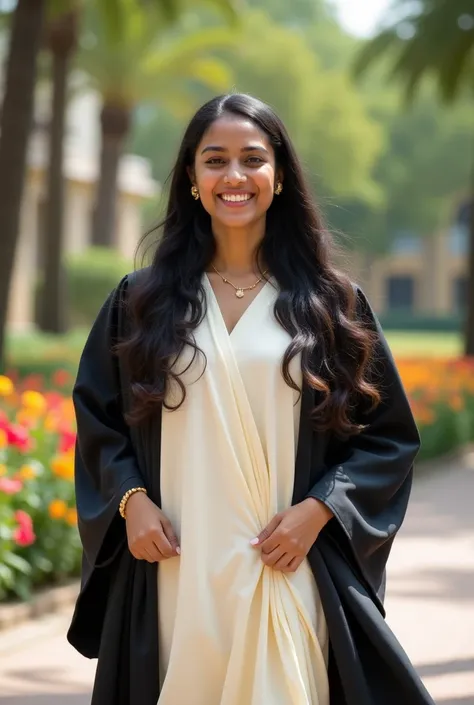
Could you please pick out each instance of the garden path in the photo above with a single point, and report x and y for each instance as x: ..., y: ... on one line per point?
x: 430, y: 606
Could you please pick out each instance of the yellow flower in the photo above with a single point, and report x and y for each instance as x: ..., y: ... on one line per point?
x: 63, y: 466
x: 34, y: 402
x: 6, y: 386
x: 26, y: 472
x: 71, y: 517
x: 57, y: 509
x: 3, y: 438
x: 3, y: 470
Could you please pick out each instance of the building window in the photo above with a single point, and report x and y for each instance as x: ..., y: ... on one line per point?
x: 460, y: 293
x: 401, y: 293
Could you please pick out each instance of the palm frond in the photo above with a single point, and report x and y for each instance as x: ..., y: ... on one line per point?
x: 439, y: 46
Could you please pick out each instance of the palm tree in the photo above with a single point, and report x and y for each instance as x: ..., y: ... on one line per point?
x: 140, y: 58
x: 15, y: 125
x: 431, y: 38
x: 61, y: 39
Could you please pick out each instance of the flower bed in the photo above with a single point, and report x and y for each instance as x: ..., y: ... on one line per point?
x: 441, y: 394
x: 39, y: 542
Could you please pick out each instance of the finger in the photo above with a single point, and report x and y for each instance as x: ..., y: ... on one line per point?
x: 272, y: 558
x: 267, y: 531
x: 171, y: 536
x: 153, y: 552
x: 150, y: 555
x: 283, y: 562
x: 162, y: 544
x: 293, y: 565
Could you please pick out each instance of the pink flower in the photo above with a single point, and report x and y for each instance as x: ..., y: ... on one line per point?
x: 9, y: 485
x: 24, y: 535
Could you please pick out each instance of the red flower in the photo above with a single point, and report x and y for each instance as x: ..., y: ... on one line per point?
x: 23, y: 535
x: 18, y: 436
x: 60, y: 378
x: 67, y: 442
x: 9, y: 485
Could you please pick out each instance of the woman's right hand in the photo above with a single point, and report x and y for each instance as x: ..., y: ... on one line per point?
x: 150, y: 534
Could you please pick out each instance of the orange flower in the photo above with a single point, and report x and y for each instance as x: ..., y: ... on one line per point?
x: 63, y: 466
x: 71, y: 517
x: 51, y: 422
x: 57, y: 509
x: 456, y: 402
x: 34, y: 402
x: 24, y: 417
x: 3, y: 438
x: 26, y: 472
x: 6, y: 386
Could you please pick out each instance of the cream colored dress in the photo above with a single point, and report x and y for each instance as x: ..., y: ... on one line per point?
x: 233, y: 631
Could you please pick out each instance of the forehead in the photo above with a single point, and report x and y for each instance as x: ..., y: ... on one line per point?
x: 234, y: 132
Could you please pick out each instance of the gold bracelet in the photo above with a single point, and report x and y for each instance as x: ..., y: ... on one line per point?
x: 126, y: 497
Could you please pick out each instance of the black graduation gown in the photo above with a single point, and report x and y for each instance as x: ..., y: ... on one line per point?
x: 366, y: 482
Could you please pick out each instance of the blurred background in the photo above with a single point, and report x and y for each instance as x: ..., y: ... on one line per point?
x: 94, y: 98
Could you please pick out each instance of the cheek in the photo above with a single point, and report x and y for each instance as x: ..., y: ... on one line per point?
x: 208, y: 183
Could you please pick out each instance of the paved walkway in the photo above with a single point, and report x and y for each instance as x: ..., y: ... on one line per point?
x: 430, y: 605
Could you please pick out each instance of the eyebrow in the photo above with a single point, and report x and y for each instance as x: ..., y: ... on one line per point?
x: 250, y: 148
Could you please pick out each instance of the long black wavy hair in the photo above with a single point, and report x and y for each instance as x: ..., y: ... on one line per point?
x: 317, y: 304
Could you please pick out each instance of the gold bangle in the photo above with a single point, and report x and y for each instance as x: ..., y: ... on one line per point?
x: 126, y: 497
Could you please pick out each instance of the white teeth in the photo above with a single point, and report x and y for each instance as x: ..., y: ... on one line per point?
x: 236, y: 198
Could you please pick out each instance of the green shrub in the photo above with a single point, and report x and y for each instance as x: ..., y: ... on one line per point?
x: 402, y: 320
x: 92, y: 275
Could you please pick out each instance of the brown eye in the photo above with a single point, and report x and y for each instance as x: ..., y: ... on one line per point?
x: 214, y: 161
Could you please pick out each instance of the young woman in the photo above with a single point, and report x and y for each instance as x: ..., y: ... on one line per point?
x: 245, y: 450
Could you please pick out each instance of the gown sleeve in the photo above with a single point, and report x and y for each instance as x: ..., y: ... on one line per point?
x: 368, y: 483
x: 105, y: 463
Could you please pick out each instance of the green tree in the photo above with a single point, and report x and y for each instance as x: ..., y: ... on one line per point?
x: 15, y: 124
x: 431, y: 37
x: 337, y: 140
x: 140, y: 59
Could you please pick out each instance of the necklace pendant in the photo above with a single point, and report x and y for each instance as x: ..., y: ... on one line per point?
x: 239, y: 293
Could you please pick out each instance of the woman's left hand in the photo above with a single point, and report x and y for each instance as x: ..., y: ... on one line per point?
x: 286, y: 540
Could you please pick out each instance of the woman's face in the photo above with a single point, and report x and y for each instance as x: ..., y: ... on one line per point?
x: 234, y: 171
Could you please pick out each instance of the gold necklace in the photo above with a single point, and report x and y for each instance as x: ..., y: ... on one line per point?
x: 240, y: 290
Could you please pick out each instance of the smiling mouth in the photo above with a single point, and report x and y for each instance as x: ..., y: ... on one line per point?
x: 235, y: 199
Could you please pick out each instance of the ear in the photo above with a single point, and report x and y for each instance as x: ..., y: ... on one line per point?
x: 279, y: 175
x: 191, y: 174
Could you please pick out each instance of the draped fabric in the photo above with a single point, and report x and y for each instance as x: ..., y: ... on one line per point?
x: 243, y: 632
x: 366, y: 482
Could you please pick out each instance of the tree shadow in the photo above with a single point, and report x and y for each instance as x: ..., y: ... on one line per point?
x: 446, y: 667
x: 441, y: 501
x: 452, y: 584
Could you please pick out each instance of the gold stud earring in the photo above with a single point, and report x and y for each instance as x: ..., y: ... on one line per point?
x: 278, y: 188
x: 195, y: 193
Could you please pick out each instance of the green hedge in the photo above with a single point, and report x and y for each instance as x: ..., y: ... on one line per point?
x: 412, y: 322
x: 92, y: 275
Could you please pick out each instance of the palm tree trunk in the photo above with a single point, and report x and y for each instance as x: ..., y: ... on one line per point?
x: 62, y: 36
x: 115, y: 124
x: 15, y: 125
x: 469, y: 339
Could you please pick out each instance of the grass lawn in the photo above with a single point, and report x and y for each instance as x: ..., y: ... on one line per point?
x: 424, y: 344
x: 34, y: 348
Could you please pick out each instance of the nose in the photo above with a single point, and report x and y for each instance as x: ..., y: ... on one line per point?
x: 234, y: 175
